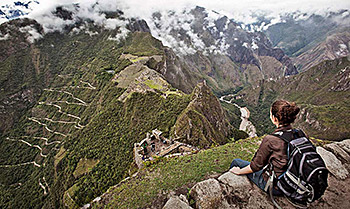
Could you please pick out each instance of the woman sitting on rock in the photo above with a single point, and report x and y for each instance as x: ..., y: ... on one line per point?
x: 272, y: 149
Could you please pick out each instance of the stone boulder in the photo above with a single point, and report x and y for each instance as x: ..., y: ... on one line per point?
x: 339, y: 152
x: 333, y: 164
x: 176, y: 203
x: 209, y: 194
x: 237, y: 185
x: 345, y: 145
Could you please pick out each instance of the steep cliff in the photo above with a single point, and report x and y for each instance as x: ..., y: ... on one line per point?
x: 203, y: 122
x: 218, y: 50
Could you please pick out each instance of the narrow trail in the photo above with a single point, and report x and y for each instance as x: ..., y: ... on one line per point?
x: 29, y: 144
x: 77, y: 124
x: 70, y: 103
x: 22, y: 139
x: 66, y: 92
x: 47, y: 128
x: 21, y: 164
x: 56, y: 121
x: 40, y: 138
x: 43, y: 187
x: 59, y: 109
x: 48, y: 188
x: 89, y: 84
x: 81, y: 81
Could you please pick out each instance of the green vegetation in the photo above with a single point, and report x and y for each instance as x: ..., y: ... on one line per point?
x: 84, y: 166
x: 153, y: 85
x: 60, y: 155
x: 175, y: 173
x: 233, y: 113
x: 173, y: 92
x: 67, y: 197
x: 143, y: 44
x: 203, y: 123
x: 73, y: 63
x: 110, y: 137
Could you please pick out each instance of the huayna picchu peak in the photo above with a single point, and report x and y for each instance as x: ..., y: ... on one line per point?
x: 134, y: 104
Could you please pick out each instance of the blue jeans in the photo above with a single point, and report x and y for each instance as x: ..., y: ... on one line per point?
x: 256, y: 177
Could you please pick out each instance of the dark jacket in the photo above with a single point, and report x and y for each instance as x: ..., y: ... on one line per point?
x: 272, y: 149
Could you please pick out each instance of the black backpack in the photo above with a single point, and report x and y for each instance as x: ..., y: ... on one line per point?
x: 305, y: 179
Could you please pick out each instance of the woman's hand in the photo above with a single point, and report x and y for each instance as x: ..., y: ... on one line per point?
x: 240, y: 171
x: 235, y: 170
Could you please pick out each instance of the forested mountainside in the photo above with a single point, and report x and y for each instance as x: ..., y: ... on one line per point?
x: 74, y: 103
x: 322, y: 93
x: 334, y: 46
x: 311, y: 39
x: 297, y: 33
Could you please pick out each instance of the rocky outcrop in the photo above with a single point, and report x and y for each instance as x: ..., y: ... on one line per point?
x: 333, y: 47
x: 215, y: 48
x: 176, y: 202
x: 333, y: 164
x: 203, y: 122
x: 233, y: 191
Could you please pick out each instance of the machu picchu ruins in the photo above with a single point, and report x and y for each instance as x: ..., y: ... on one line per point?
x: 156, y: 145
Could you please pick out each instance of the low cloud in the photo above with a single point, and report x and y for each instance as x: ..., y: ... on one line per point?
x: 4, y: 37
x: 246, y: 12
x: 32, y: 33
x: 81, y: 10
x: 241, y: 11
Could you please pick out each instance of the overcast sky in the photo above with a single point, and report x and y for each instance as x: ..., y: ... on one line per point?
x: 241, y: 11
x: 237, y: 9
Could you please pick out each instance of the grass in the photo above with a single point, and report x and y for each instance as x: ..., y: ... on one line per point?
x: 171, y: 174
x: 67, y: 197
x: 137, y: 59
x: 84, y: 166
x: 60, y: 155
x: 153, y: 85
x: 173, y: 92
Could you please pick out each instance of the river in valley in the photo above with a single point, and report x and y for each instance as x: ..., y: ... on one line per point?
x: 245, y: 125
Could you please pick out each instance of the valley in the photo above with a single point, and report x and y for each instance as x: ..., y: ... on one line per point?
x: 245, y: 125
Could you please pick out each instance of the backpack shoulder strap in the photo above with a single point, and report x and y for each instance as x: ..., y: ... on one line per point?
x: 286, y: 136
x: 298, y: 133
x: 289, y: 135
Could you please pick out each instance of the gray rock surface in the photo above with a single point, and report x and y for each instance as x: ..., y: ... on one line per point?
x: 333, y: 164
x: 176, y: 203
x: 345, y: 145
x: 184, y: 198
x: 339, y: 152
x: 238, y: 185
x: 237, y: 181
x: 209, y: 194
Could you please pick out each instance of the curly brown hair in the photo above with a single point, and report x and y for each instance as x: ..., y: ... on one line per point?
x: 286, y: 112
